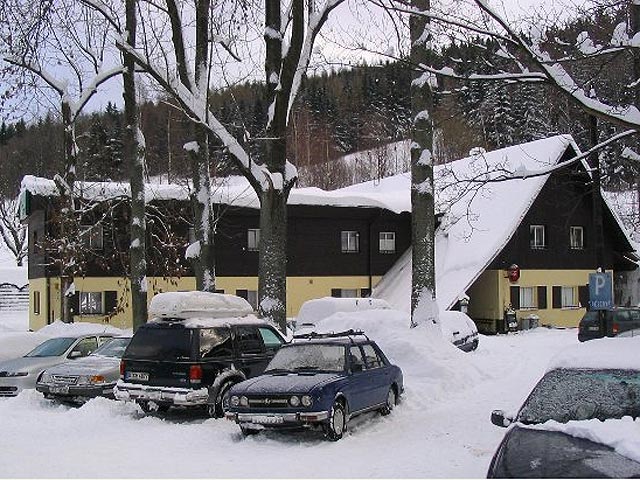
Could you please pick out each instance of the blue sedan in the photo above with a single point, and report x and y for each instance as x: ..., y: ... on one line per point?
x: 318, y: 380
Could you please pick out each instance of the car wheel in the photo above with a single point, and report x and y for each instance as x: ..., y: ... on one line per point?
x: 215, y: 409
x: 392, y: 401
x: 474, y: 345
x: 248, y: 431
x: 152, y: 407
x: 337, y: 423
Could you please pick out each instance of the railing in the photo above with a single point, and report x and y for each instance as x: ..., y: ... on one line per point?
x: 14, y: 298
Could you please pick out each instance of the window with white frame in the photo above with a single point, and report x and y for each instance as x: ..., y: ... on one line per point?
x: 350, y: 241
x: 527, y: 297
x: 537, y: 239
x: 569, y: 297
x: 91, y: 303
x: 576, y: 237
x: 253, y: 239
x: 387, y: 242
x: 92, y: 236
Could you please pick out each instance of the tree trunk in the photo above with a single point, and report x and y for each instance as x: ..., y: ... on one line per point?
x: 633, y: 26
x: 596, y: 197
x: 423, y: 285
x: 272, y: 270
x: 68, y: 224
x: 134, y: 155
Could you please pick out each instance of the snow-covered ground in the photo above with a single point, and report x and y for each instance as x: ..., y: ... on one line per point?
x: 441, y: 429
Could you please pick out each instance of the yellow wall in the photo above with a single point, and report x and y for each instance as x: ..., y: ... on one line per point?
x: 490, y: 295
x: 299, y: 290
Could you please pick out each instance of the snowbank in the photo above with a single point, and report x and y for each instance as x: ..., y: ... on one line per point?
x: 60, y: 329
x: 432, y: 367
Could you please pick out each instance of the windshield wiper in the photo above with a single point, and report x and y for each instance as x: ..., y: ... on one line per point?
x: 278, y: 370
x: 306, y: 367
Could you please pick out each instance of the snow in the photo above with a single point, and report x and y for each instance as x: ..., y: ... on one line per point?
x: 193, y: 250
x: 194, y: 304
x: 614, y: 353
x: 14, y: 275
x: 314, y: 310
x: 441, y: 429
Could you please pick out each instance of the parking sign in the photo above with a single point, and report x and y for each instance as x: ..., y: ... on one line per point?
x: 600, y: 291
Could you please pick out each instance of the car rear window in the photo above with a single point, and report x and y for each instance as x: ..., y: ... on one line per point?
x: 161, y: 344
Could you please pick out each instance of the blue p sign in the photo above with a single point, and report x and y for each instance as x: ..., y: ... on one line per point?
x: 600, y: 291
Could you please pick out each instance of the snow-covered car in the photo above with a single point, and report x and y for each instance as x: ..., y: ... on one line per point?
x: 320, y: 380
x: 460, y: 330
x: 312, y: 311
x: 77, y: 381
x: 197, y: 346
x: 21, y: 373
x: 578, y: 418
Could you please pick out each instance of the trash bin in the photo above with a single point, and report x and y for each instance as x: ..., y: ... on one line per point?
x: 510, y: 321
x: 534, y: 321
x: 524, y: 323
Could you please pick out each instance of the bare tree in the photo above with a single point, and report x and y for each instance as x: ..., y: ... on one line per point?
x: 12, y: 232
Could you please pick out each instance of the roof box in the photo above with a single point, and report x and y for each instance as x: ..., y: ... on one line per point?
x: 198, y: 304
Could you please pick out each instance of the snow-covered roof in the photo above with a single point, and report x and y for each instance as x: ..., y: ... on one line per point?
x: 479, y: 218
x: 234, y: 190
x: 603, y: 353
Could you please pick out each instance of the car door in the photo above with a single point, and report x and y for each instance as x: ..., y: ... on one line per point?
x: 380, y: 373
x: 252, y: 356
x: 361, y: 392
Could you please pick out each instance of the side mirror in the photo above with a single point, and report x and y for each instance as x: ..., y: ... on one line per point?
x: 500, y: 419
x: 75, y: 354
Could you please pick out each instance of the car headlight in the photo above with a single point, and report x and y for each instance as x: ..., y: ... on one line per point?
x: 244, y: 401
x: 294, y: 401
x: 307, y: 401
x: 235, y: 401
x: 46, y: 378
x: 14, y: 374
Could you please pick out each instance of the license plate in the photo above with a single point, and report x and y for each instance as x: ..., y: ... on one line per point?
x: 267, y: 419
x: 142, y: 376
x: 593, y: 329
x: 64, y: 389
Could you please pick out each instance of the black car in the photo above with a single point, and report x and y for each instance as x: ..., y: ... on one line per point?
x: 537, y: 444
x: 608, y: 323
x: 319, y: 380
x: 192, y: 354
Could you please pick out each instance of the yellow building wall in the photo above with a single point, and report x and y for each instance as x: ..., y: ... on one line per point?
x: 299, y: 290
x: 490, y: 295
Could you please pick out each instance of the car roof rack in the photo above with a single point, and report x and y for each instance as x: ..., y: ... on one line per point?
x: 347, y: 333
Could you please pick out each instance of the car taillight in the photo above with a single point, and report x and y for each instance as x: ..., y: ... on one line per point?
x: 195, y: 373
x: 122, y: 369
x: 616, y: 328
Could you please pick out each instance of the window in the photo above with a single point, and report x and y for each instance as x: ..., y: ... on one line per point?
x: 92, y: 236
x: 576, y: 238
x: 387, y: 242
x: 355, y: 357
x: 350, y: 241
x: 270, y: 339
x: 253, y: 239
x: 91, y: 303
x: 371, y: 357
x: 249, y: 340
x: 215, y: 343
x: 36, y: 302
x: 86, y: 346
x: 252, y: 298
x: 344, y: 292
x: 527, y: 297
x: 569, y: 297
x: 537, y: 239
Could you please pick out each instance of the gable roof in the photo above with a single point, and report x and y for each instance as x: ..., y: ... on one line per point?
x: 480, y: 217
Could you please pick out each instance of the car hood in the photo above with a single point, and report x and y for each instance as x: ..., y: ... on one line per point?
x: 86, y: 365
x: 285, y: 383
x: 526, y: 452
x: 29, y: 364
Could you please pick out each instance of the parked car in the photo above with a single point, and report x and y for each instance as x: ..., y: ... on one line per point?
x: 599, y: 380
x: 460, y: 330
x: 608, y: 323
x: 80, y: 380
x: 319, y: 380
x: 21, y: 373
x: 198, y: 345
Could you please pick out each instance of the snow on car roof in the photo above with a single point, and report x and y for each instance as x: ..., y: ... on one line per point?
x: 198, y: 305
x: 208, y: 322
x: 603, y: 353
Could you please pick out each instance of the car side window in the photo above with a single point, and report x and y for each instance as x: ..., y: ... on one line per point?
x: 355, y: 357
x: 271, y: 340
x: 86, y: 346
x: 102, y: 340
x: 249, y: 340
x: 215, y: 343
x: 371, y: 358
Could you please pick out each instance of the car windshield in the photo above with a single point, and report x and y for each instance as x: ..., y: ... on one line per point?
x: 113, y: 348
x: 309, y: 356
x: 161, y: 344
x: 53, y: 347
x: 566, y: 394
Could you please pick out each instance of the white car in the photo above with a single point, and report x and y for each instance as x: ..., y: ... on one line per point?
x: 23, y: 372
x: 460, y: 330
